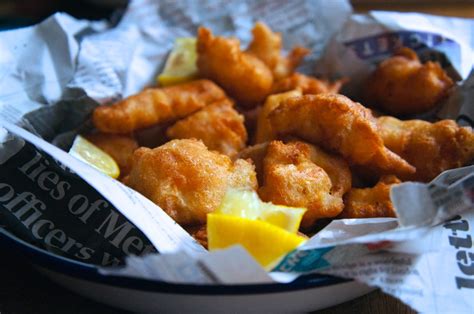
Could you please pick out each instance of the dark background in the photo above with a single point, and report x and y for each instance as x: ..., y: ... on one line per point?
x: 23, y: 290
x: 16, y: 13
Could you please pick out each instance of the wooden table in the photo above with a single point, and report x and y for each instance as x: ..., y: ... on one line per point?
x: 22, y: 290
x: 459, y: 8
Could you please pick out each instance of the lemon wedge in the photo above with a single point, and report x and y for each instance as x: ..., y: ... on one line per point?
x: 242, y: 203
x: 267, y: 243
x: 180, y: 66
x: 247, y: 204
x: 94, y: 156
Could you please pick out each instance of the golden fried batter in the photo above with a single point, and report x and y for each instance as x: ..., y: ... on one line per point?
x: 403, y: 85
x: 431, y: 147
x: 256, y: 153
x: 302, y: 175
x: 307, y: 85
x: 218, y: 125
x: 336, y: 168
x: 186, y: 179
x: 370, y: 202
x: 264, y: 129
x: 156, y: 105
x: 245, y: 77
x: 266, y: 45
x: 120, y: 147
x: 340, y: 125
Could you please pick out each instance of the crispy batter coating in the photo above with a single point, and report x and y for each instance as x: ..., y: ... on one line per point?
x: 302, y: 175
x: 336, y: 168
x: 431, y: 147
x: 245, y: 77
x: 403, y: 85
x: 218, y: 125
x: 370, y: 202
x: 266, y: 45
x: 186, y: 179
x: 256, y: 153
x: 264, y: 129
x: 120, y: 147
x: 336, y: 123
x: 156, y: 105
x: 307, y: 85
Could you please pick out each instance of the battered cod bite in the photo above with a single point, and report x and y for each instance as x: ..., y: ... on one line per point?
x: 218, y: 125
x: 245, y: 77
x: 370, y: 202
x: 264, y: 130
x: 186, y: 179
x: 266, y: 45
x: 156, y: 105
x: 307, y: 85
x: 402, y: 85
x: 431, y: 147
x: 339, y: 125
x: 302, y: 175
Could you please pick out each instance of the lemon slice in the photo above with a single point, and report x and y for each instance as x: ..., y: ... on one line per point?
x: 265, y: 242
x: 242, y: 203
x: 180, y: 66
x: 288, y: 218
x: 94, y: 156
x: 247, y: 204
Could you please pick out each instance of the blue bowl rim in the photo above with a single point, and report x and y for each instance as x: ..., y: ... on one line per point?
x: 80, y: 270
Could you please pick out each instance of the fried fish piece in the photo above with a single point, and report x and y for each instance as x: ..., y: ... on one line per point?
x: 335, y: 166
x: 302, y: 175
x: 402, y: 85
x: 370, y: 202
x: 245, y: 77
x: 156, y: 105
x: 431, y: 147
x: 264, y: 129
x: 336, y: 123
x: 120, y: 147
x: 186, y: 179
x: 218, y: 125
x: 266, y: 45
x: 256, y: 153
x: 307, y: 85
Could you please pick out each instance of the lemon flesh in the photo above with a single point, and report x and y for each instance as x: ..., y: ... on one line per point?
x: 267, y: 243
x: 180, y: 66
x: 94, y: 156
x: 247, y: 204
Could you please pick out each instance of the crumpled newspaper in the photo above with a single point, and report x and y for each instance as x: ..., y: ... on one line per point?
x: 367, y: 39
x: 52, y: 75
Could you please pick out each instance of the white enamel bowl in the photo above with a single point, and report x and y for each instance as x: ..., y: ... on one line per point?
x: 308, y: 293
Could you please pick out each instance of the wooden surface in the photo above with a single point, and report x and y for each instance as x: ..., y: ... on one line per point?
x: 22, y: 290
x: 459, y: 8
